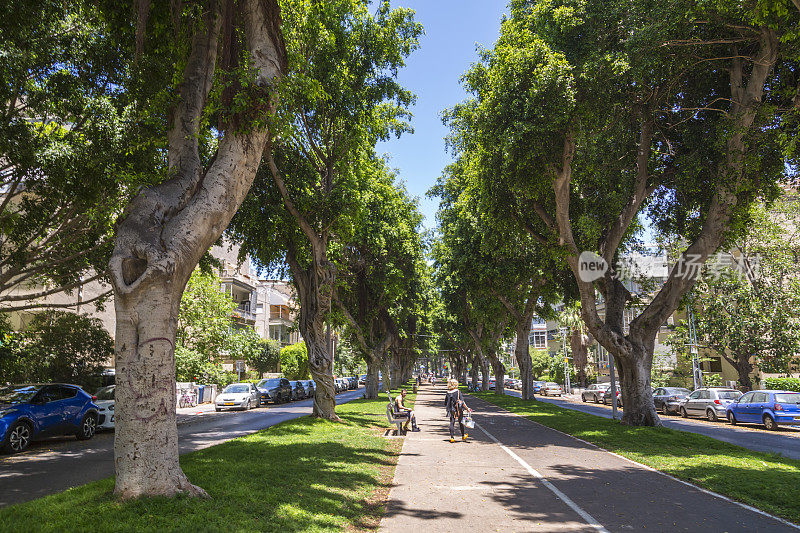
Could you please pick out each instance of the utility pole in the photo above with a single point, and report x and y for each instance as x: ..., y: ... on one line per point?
x: 613, y: 374
x: 697, y: 373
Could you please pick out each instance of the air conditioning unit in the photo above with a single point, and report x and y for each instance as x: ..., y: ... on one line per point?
x: 732, y: 384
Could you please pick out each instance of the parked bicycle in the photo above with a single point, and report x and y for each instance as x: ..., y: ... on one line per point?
x: 188, y: 398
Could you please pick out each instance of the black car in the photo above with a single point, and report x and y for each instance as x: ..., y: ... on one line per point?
x: 668, y: 399
x: 275, y: 390
x: 353, y: 382
x: 298, y: 390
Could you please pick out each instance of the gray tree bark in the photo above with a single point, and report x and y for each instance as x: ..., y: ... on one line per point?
x: 160, y: 238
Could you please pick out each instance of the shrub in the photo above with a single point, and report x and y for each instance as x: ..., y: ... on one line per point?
x: 792, y: 384
x: 294, y: 361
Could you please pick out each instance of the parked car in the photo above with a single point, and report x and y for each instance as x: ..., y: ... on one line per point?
x: 768, y: 407
x: 594, y: 392
x: 551, y: 388
x: 275, y: 390
x: 31, y: 411
x: 298, y: 390
x: 242, y: 396
x: 492, y: 383
x: 310, y: 387
x: 709, y: 402
x: 668, y: 400
x: 362, y: 379
x: 607, y: 397
x: 105, y: 407
x: 353, y: 381
x: 340, y: 385
x: 537, y: 386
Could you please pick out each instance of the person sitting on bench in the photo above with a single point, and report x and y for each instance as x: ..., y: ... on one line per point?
x: 402, y: 410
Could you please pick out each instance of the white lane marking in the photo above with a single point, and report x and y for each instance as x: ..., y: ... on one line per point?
x: 589, y: 519
x: 651, y: 469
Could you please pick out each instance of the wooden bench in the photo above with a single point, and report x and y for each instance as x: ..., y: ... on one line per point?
x: 394, y: 417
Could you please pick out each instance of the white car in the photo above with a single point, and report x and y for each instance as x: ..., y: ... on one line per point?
x: 238, y: 396
x: 551, y: 389
x: 105, y: 404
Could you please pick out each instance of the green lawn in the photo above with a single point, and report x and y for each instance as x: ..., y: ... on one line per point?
x: 301, y: 475
x: 766, y: 481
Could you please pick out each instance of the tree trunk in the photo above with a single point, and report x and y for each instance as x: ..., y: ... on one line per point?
x: 146, y: 396
x: 372, y: 381
x: 744, y: 368
x: 161, y: 236
x: 485, y: 375
x: 523, y: 355
x: 579, y: 344
x: 636, y: 393
x: 499, y: 375
x: 385, y: 373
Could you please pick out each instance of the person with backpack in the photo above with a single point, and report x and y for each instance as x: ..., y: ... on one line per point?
x: 455, y: 406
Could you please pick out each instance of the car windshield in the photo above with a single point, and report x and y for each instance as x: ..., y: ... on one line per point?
x: 684, y: 392
x: 236, y: 388
x: 270, y: 383
x: 551, y: 384
x: 106, y: 393
x: 788, y: 397
x: 728, y: 394
x: 18, y: 393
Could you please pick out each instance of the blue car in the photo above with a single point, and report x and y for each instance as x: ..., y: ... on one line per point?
x: 767, y: 407
x: 537, y: 386
x: 31, y: 411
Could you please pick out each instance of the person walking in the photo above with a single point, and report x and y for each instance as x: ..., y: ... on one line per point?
x: 455, y: 406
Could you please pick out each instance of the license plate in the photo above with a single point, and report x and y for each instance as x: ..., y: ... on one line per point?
x: 228, y: 403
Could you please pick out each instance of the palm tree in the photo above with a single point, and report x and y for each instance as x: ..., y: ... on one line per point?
x: 570, y: 318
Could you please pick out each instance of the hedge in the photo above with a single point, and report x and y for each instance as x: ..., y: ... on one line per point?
x: 792, y: 384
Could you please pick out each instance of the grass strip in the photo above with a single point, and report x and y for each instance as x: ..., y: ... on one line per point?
x: 301, y: 475
x: 766, y: 481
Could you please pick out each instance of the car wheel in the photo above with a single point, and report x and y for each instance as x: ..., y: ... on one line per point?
x: 19, y: 437
x: 684, y: 414
x: 769, y: 423
x: 711, y: 415
x: 249, y: 404
x: 583, y: 398
x: 732, y: 418
x: 88, y: 427
x: 664, y: 410
x: 595, y: 399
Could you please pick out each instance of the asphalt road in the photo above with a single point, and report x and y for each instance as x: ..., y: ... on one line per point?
x: 54, y: 465
x: 513, y: 474
x: 785, y: 441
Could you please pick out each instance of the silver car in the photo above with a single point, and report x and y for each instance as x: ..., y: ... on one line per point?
x: 710, y: 403
x: 595, y: 392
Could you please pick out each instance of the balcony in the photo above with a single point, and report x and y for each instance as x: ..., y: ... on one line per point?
x: 244, y: 312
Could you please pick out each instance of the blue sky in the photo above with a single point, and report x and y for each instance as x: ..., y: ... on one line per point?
x: 452, y: 30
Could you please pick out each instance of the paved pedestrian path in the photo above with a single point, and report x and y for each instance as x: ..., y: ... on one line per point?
x: 515, y: 475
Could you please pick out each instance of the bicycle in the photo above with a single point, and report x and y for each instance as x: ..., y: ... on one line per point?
x: 188, y: 398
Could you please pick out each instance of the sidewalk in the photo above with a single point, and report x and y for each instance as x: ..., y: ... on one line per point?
x: 521, y: 476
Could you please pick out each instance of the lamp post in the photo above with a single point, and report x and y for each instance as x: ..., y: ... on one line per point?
x: 697, y: 373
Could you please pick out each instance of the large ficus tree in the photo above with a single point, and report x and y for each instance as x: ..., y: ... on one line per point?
x: 588, y: 114
x: 215, y: 63
x: 69, y: 148
x: 381, y: 272
x: 340, y: 98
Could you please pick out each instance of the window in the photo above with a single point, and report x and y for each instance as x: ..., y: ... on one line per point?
x: 538, y: 339
x: 759, y: 397
x: 747, y: 398
x: 65, y: 393
x: 695, y: 395
x: 715, y: 364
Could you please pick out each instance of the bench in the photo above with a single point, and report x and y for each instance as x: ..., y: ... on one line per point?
x: 394, y: 417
